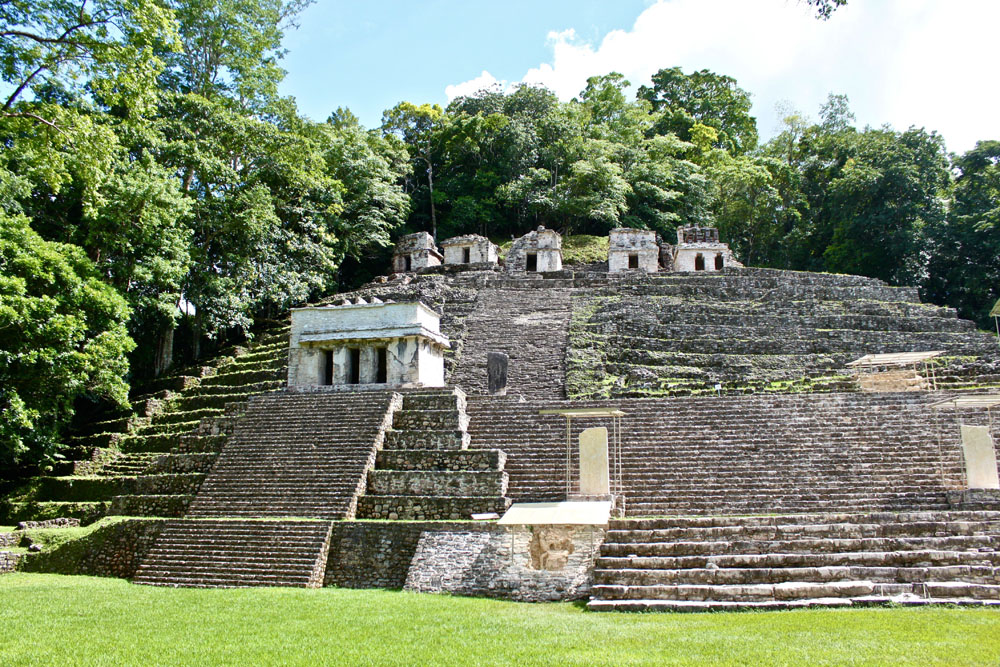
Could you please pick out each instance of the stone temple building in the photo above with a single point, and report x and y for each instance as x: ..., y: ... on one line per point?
x: 356, y: 345
x: 698, y: 249
x: 537, y: 251
x: 470, y: 249
x: 633, y: 250
x: 415, y: 252
x: 686, y: 438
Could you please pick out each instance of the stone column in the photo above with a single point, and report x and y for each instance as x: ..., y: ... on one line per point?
x: 341, y: 365
x: 369, y: 365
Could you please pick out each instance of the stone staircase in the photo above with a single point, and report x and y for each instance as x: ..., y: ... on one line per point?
x: 531, y: 326
x: 237, y: 553
x: 426, y: 471
x: 750, y: 330
x: 744, y: 454
x: 114, y: 459
x: 718, y: 563
x: 297, y: 454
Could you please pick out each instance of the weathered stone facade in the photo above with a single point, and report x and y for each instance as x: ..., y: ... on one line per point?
x: 537, y: 251
x: 633, y: 250
x: 461, y: 558
x: 472, y: 250
x: 699, y: 249
x: 414, y: 252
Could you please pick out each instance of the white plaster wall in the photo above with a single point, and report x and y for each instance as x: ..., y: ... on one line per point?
x: 549, y: 260
x: 479, y: 252
x: 430, y: 368
x: 305, y: 366
x: 684, y: 256
x: 360, y: 317
x: 649, y: 260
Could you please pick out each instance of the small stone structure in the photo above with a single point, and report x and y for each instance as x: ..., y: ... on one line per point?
x: 363, y: 344
x: 414, y: 252
x: 698, y: 249
x: 633, y: 249
x: 470, y: 249
x: 537, y: 251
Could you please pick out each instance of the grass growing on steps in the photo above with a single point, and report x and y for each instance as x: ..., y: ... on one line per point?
x: 108, y: 621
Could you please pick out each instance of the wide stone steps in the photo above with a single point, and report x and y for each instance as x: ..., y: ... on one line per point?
x: 913, y: 558
x: 743, y: 455
x: 744, y: 562
x: 236, y: 553
x: 976, y: 574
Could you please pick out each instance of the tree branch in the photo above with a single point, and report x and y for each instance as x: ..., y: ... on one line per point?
x: 24, y: 114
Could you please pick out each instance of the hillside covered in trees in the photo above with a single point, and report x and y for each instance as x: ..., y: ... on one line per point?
x: 158, y: 197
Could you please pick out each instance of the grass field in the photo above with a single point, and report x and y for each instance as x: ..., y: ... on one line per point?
x: 51, y: 619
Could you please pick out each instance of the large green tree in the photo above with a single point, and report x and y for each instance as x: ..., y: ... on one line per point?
x: 964, y: 265
x: 62, y: 333
x: 702, y: 98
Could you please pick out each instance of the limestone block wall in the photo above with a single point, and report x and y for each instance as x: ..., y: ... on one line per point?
x: 544, y: 244
x: 464, y: 558
x: 640, y: 244
x: 479, y: 248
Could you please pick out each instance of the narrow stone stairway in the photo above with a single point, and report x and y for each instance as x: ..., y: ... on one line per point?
x: 426, y: 471
x: 297, y: 454
x: 715, y: 563
x: 237, y: 553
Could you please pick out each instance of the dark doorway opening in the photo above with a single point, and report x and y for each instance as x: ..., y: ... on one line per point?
x: 718, y: 262
x: 531, y: 262
x: 382, y: 372
x: 633, y: 261
x: 355, y: 369
x: 409, y: 263
x: 327, y: 366
x: 466, y: 255
x: 699, y: 262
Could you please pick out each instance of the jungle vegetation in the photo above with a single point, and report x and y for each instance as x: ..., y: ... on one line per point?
x: 158, y: 197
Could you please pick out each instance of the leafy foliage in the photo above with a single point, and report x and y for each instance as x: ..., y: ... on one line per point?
x: 62, y: 332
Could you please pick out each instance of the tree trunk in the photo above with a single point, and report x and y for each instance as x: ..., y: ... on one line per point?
x: 164, y: 352
x: 430, y: 183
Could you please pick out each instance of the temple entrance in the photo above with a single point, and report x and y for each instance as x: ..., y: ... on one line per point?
x: 699, y: 262
x: 633, y: 261
x: 354, y: 366
x: 328, y: 367
x: 382, y: 368
x: 531, y: 262
x: 718, y: 262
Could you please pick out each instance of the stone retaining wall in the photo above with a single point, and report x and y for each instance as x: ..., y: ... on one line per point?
x: 8, y: 561
x: 114, y: 550
x: 464, y: 558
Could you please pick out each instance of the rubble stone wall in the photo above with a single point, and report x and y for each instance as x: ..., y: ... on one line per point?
x: 464, y: 558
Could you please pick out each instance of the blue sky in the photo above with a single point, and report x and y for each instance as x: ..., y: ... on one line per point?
x: 370, y: 54
x: 925, y: 63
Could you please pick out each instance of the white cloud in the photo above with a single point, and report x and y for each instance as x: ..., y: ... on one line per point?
x: 484, y: 80
x: 903, y: 62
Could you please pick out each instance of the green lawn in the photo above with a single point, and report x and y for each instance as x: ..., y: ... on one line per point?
x: 51, y: 619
